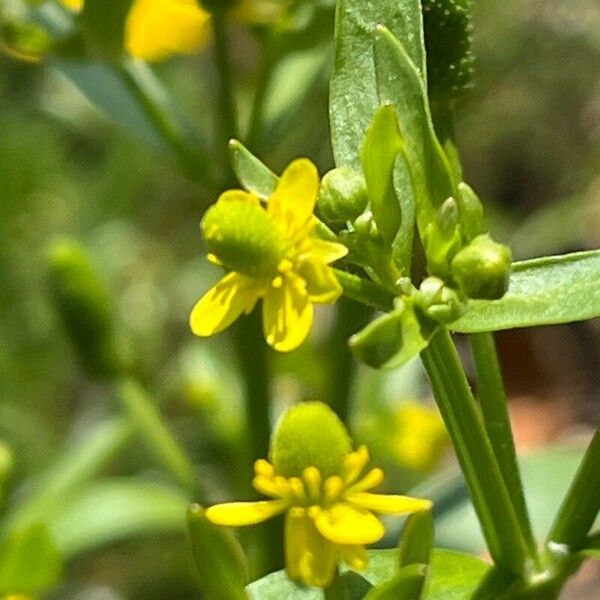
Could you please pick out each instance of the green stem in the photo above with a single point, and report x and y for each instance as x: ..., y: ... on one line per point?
x: 158, y: 438
x: 226, y: 94
x: 364, y: 291
x: 496, y: 420
x: 443, y: 123
x: 255, y: 131
x: 192, y: 161
x: 475, y: 455
x: 350, y: 318
x: 335, y: 590
x: 582, y: 502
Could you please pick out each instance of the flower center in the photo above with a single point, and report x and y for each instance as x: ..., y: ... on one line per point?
x: 243, y: 238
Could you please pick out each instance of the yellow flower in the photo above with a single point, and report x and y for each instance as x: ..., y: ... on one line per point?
x: 156, y: 29
x: 327, y: 518
x: 270, y: 255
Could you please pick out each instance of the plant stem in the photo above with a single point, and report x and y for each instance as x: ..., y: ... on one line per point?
x: 351, y: 317
x: 191, y: 159
x: 582, y: 502
x: 364, y: 291
x: 335, y: 590
x: 255, y: 131
x: 147, y: 420
x: 496, y: 420
x: 226, y: 95
x: 474, y: 452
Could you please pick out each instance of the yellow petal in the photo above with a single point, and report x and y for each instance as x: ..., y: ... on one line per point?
x: 238, y: 514
x: 238, y: 196
x: 223, y: 304
x: 309, y: 557
x: 346, y: 524
x: 390, y: 504
x: 355, y: 556
x: 156, y: 29
x: 287, y: 313
x: 321, y: 283
x: 325, y: 251
x: 291, y: 205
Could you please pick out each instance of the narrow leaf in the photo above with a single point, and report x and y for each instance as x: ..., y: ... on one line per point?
x: 407, y: 584
x: 380, y: 148
x: 543, y: 291
x: 400, y: 83
x: 353, y: 91
x: 417, y: 539
x: 250, y: 171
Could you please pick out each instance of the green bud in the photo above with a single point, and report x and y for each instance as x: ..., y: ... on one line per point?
x: 309, y: 434
x: 342, y: 195
x: 84, y: 307
x: 242, y: 236
x: 443, y: 239
x: 470, y: 212
x: 448, y: 31
x: 482, y: 268
x: 218, y: 557
x: 439, y: 302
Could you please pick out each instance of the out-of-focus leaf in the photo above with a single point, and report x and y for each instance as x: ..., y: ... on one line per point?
x: 250, y: 171
x: 382, y: 144
x: 406, y: 584
x: 80, y: 462
x: 353, y: 91
x: 219, y: 558
x: 104, y: 23
x: 29, y: 561
x: 546, y: 476
x: 400, y: 84
x: 543, y: 291
x: 452, y: 576
x: 114, y: 510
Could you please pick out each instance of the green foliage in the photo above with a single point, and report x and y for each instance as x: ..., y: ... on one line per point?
x: 250, y: 171
x: 417, y: 539
x: 104, y: 26
x: 544, y: 291
x: 29, y: 561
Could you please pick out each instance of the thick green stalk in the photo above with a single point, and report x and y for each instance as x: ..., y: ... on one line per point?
x: 364, y: 291
x: 496, y: 420
x: 474, y: 452
x: 582, y: 502
x: 159, y: 440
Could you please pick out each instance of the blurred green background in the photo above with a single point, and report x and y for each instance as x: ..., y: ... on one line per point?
x: 530, y: 139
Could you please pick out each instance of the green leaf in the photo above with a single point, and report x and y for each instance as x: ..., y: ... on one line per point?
x: 417, y: 539
x: 452, y: 576
x: 29, y: 562
x: 353, y: 90
x: 543, y: 291
x: 219, y: 559
x: 115, y: 510
x: 391, y: 340
x: 400, y: 83
x: 250, y: 171
x: 104, y: 23
x: 380, y: 148
x: 79, y: 462
x: 406, y: 584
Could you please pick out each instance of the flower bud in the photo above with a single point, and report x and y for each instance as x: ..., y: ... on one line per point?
x: 448, y: 30
x: 443, y: 238
x: 342, y: 195
x: 242, y: 237
x: 84, y: 307
x: 309, y: 434
x: 470, y: 212
x: 482, y: 268
x: 439, y: 302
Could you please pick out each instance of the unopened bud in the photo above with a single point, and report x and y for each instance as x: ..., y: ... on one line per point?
x: 482, y: 268
x: 342, y: 196
x: 439, y: 302
x: 470, y: 212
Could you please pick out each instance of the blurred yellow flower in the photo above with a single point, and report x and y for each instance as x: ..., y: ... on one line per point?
x: 420, y: 436
x: 270, y: 255
x: 327, y: 518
